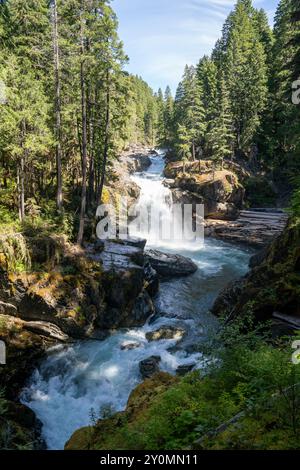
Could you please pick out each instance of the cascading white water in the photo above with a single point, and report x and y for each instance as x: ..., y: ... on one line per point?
x: 94, y: 375
x: 153, y: 195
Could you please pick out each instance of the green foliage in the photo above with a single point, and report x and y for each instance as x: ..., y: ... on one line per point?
x: 218, y: 110
x: 220, y: 135
x: 143, y: 110
x: 295, y: 205
x: 246, y: 76
x: 259, y: 192
x: 189, y: 115
x: 13, y: 436
x: 13, y: 248
x: 165, y: 125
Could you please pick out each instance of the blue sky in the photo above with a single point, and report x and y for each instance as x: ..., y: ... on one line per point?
x: 161, y: 36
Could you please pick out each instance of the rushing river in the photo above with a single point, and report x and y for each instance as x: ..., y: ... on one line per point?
x: 91, y: 377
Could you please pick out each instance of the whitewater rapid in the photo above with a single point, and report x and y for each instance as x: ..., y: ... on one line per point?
x: 89, y: 378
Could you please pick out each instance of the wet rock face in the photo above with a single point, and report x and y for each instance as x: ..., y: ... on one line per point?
x: 166, y: 332
x: 149, y: 366
x: 152, y: 279
x: 46, y: 329
x: 168, y: 266
x: 104, y: 286
x: 128, y: 285
x: 138, y: 162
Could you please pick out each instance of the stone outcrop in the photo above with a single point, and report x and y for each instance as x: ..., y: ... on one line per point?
x: 219, y: 190
x: 127, y: 300
x: 130, y: 345
x: 169, y: 265
x: 184, y: 369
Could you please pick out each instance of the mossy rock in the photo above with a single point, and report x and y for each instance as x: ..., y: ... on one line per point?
x: 107, y: 433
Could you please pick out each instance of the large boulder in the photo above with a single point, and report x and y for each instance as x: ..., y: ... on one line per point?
x: 130, y: 345
x: 168, y: 265
x: 184, y: 369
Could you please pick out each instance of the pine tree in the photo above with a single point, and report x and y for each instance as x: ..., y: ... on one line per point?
x: 57, y: 102
x: 26, y: 109
x: 207, y: 75
x: 24, y: 132
x: 191, y: 113
x: 246, y: 77
x: 221, y: 135
x: 295, y: 40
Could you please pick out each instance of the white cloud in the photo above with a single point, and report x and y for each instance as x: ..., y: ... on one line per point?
x: 161, y: 36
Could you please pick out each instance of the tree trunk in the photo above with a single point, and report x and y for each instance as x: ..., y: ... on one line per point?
x: 21, y: 175
x: 59, y: 192
x: 91, y: 182
x: 193, y: 151
x: 106, y: 142
x: 21, y: 188
x: 84, y: 142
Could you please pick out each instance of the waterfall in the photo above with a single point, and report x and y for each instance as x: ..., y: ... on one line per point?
x: 156, y: 198
x: 90, y: 377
